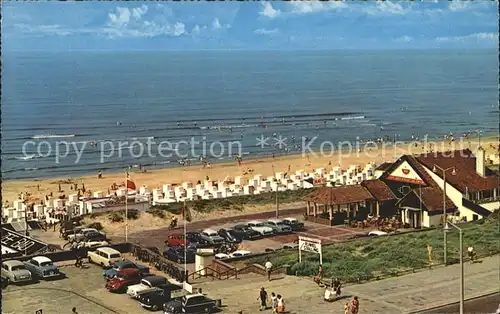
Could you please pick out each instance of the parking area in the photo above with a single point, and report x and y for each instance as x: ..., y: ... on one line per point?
x: 327, y: 234
x: 82, y: 289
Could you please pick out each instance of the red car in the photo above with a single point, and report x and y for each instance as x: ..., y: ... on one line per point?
x: 176, y: 239
x: 125, y: 277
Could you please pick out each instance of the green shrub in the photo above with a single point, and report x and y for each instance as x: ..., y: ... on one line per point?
x: 159, y: 213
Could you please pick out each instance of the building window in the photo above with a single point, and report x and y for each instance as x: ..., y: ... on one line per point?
x: 475, y: 217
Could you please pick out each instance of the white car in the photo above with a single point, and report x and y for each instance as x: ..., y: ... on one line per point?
x: 377, y: 233
x: 93, y: 243
x: 222, y: 256
x: 147, y: 284
x: 261, y: 228
x: 80, y: 234
x: 211, y: 236
x: 240, y: 253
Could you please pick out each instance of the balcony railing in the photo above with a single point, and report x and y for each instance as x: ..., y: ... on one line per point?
x: 485, y: 200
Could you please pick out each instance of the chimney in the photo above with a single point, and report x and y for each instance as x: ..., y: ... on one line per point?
x: 480, y: 167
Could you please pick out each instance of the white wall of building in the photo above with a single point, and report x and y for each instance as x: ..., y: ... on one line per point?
x: 453, y: 194
x: 431, y: 221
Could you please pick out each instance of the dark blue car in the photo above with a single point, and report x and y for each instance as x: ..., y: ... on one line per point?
x: 112, y: 272
x: 176, y: 254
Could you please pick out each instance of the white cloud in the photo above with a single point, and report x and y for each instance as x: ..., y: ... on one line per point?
x: 140, y: 11
x: 305, y: 7
x: 196, y: 30
x: 266, y: 32
x: 216, y: 24
x: 475, y: 36
x: 458, y: 5
x: 385, y: 8
x: 404, y: 39
x: 269, y: 11
x: 120, y: 18
x: 53, y: 29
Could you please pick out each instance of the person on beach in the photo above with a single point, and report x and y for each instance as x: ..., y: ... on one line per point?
x: 263, y: 299
x: 274, y: 303
x: 281, y: 304
x: 269, y: 267
x: 354, y: 305
x: 346, y: 308
x: 319, y: 276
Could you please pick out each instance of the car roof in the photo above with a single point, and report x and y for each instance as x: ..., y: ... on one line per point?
x: 108, y: 250
x: 13, y: 263
x: 242, y: 252
x: 289, y: 218
x: 209, y: 230
x: 155, y: 279
x: 41, y: 259
x: 254, y: 222
x: 275, y: 220
x: 128, y: 271
x: 124, y: 262
x: 377, y: 232
x: 194, y: 295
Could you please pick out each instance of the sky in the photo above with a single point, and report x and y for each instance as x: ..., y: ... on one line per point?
x: 69, y: 26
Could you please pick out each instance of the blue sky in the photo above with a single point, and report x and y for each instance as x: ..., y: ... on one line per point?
x: 249, y: 25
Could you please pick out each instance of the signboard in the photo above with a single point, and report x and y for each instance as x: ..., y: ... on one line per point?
x: 20, y: 243
x: 405, y: 173
x: 310, y: 245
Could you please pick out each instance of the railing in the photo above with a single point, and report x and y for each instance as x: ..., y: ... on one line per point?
x: 485, y: 200
x: 159, y: 262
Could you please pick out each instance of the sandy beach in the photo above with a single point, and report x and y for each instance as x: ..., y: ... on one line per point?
x: 38, y: 188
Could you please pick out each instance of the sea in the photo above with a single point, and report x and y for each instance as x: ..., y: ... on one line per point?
x: 75, y: 113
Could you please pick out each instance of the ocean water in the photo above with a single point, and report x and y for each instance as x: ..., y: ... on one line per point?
x: 115, y: 98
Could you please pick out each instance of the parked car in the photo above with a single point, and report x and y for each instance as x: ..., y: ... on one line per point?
x: 212, y: 237
x: 96, y: 236
x: 126, y: 264
x: 196, y: 240
x: 230, y: 235
x: 279, y: 227
x: 190, y: 304
x: 246, y: 232
x: 146, y: 284
x: 155, y: 299
x: 294, y: 223
x: 15, y: 272
x: 261, y: 228
x: 176, y: 254
x: 222, y: 256
x: 124, y: 278
x: 104, y: 256
x: 79, y: 233
x: 89, y: 243
x: 42, y: 267
x: 377, y: 233
x: 240, y: 253
x: 176, y: 239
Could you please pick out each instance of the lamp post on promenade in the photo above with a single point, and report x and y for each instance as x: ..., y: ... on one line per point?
x: 453, y: 172
x: 462, y: 297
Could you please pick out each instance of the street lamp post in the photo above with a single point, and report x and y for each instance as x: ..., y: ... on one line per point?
x: 453, y: 172
x: 461, y: 241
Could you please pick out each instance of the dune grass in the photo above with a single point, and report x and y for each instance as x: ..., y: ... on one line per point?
x: 366, y: 259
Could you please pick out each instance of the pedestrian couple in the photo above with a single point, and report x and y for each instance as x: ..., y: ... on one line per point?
x: 277, y: 302
x: 352, y: 307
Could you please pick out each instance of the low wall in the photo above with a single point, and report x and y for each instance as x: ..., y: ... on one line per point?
x: 318, y: 220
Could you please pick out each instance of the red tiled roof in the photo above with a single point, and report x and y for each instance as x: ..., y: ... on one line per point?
x: 339, y: 195
x: 379, y: 190
x: 466, y: 177
x: 384, y: 166
x: 432, y: 198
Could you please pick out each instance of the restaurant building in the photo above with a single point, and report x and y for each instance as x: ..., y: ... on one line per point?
x: 412, y: 188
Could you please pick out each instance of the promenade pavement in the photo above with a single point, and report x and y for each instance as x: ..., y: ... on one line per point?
x: 397, y: 295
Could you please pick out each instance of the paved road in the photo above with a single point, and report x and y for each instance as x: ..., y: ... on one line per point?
x: 157, y: 237
x: 398, y: 295
x: 487, y: 304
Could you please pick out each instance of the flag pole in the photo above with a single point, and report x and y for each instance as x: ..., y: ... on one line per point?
x: 126, y: 208
x: 185, y: 239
